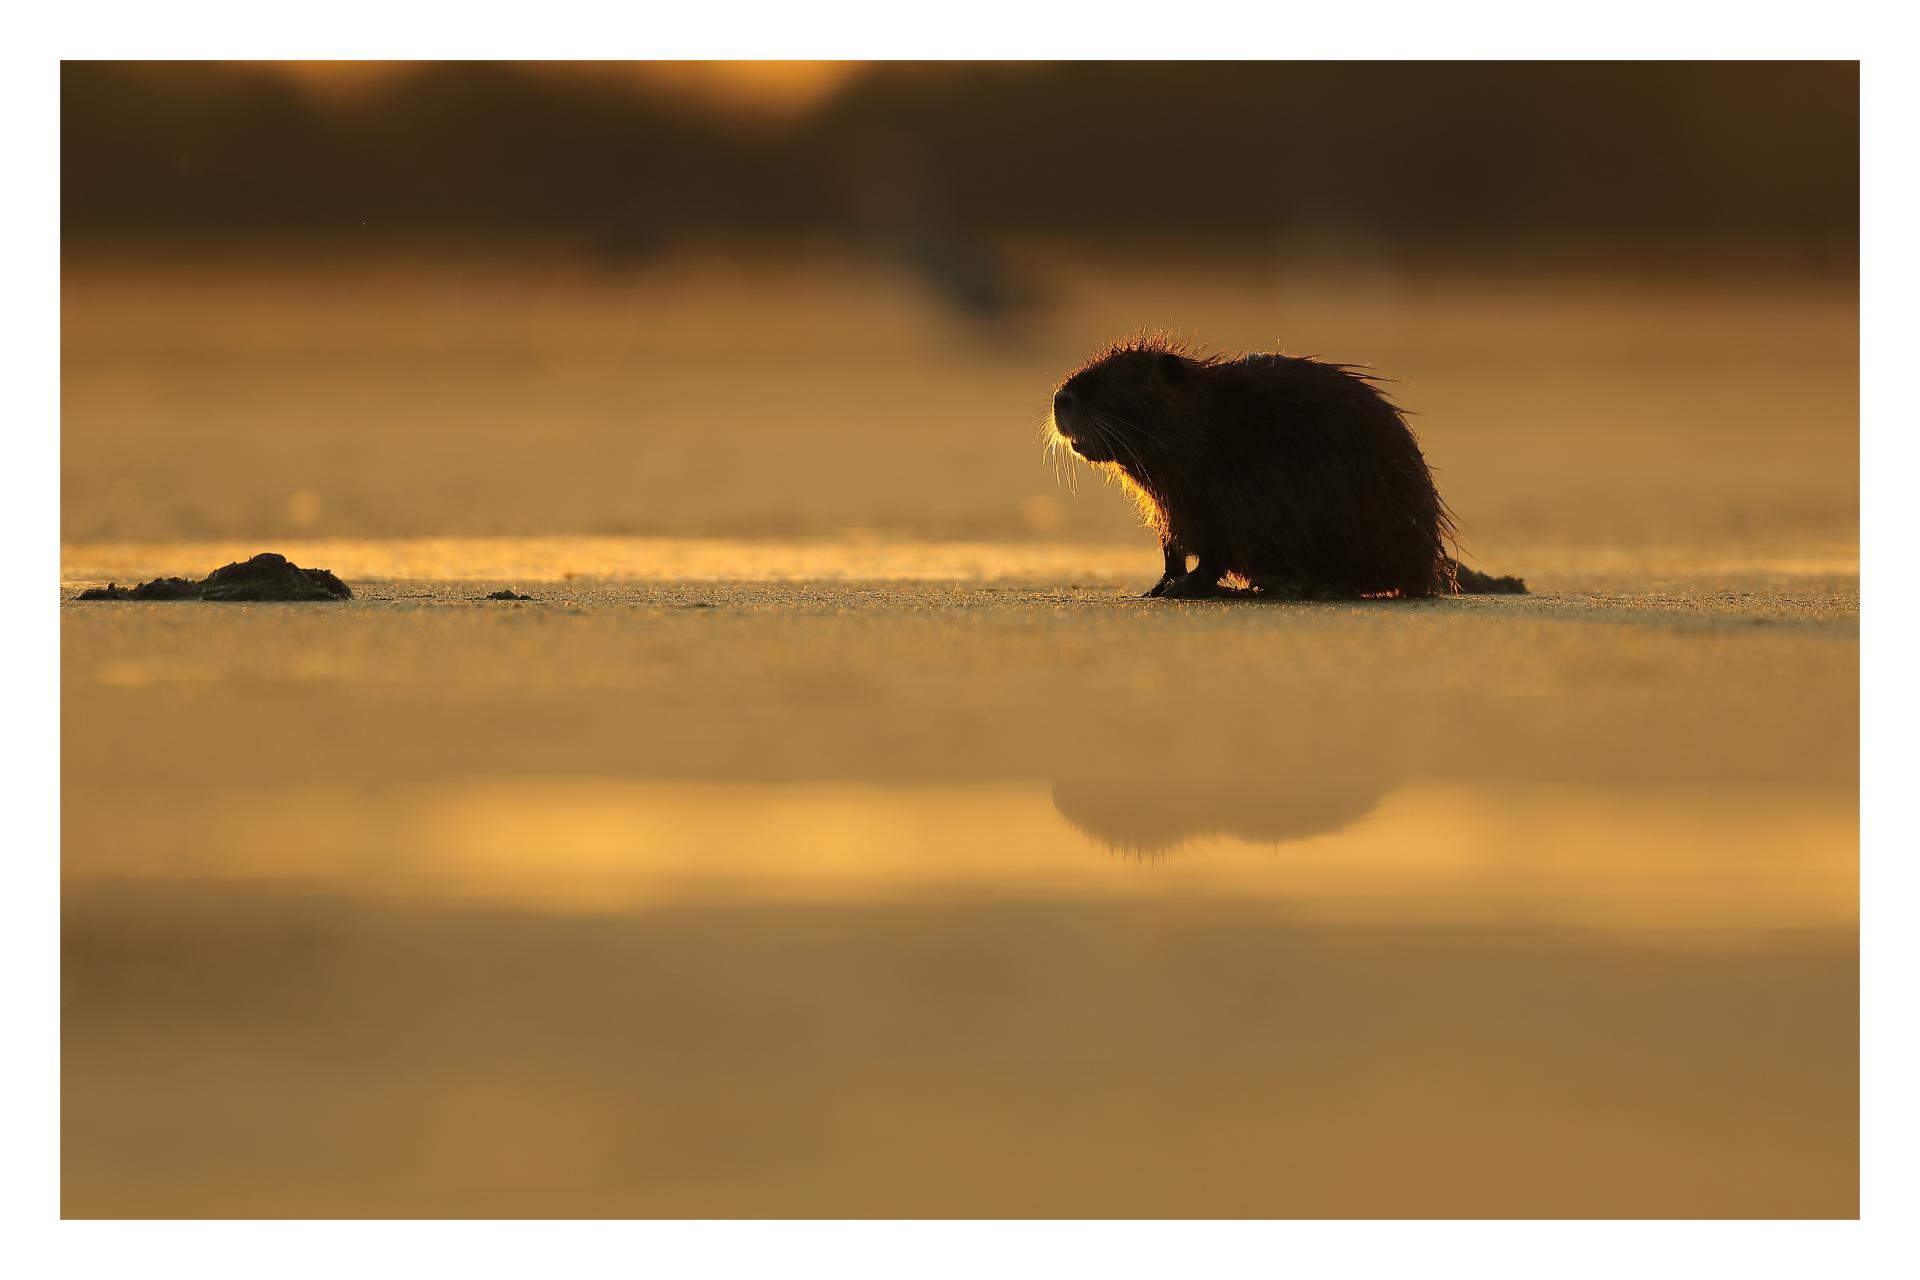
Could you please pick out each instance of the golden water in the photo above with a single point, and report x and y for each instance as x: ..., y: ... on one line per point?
x: 835, y: 833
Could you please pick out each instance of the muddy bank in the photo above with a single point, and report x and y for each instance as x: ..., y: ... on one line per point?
x: 266, y: 577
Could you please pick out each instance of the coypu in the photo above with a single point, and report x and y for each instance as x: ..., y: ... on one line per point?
x: 1290, y: 475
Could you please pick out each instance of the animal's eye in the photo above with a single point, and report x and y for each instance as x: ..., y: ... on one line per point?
x: 1172, y: 369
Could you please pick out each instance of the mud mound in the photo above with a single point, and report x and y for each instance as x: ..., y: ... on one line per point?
x: 266, y: 577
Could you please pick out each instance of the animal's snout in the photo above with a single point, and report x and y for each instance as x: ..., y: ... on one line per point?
x: 1063, y: 402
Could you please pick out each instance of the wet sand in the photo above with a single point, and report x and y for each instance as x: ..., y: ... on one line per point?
x: 956, y: 892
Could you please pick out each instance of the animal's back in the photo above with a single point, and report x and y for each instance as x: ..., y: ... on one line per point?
x: 1317, y: 481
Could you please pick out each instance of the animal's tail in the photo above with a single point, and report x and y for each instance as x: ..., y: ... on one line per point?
x: 1470, y: 582
x: 1474, y: 582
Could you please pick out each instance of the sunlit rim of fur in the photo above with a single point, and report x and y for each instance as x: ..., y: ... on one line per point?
x: 1152, y: 342
x: 1167, y: 342
x: 1055, y: 447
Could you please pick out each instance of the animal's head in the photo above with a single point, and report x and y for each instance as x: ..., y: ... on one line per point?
x: 1130, y: 404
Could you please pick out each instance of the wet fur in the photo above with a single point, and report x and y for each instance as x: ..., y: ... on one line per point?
x: 1287, y: 474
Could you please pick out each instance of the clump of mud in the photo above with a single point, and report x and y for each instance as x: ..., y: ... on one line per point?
x: 266, y: 577
x: 508, y: 594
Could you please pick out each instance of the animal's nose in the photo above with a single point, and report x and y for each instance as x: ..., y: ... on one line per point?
x: 1063, y: 400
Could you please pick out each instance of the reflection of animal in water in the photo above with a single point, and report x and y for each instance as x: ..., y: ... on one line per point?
x: 1292, y: 476
x: 1129, y: 816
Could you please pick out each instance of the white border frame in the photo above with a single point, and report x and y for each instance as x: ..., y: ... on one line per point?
x: 1882, y: 34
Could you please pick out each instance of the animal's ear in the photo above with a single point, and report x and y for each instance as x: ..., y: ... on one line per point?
x: 1172, y: 369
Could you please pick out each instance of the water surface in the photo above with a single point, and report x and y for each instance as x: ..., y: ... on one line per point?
x: 827, y: 897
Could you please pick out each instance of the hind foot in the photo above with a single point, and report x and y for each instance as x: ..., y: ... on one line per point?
x: 1278, y: 588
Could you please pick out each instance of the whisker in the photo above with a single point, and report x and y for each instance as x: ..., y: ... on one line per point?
x: 1113, y: 434
x: 1120, y: 422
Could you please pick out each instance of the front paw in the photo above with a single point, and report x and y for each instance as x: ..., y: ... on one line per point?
x: 1191, y: 586
x: 1158, y: 589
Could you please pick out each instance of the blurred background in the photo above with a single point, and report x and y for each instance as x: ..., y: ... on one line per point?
x: 802, y: 299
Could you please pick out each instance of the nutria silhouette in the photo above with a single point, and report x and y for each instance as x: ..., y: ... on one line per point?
x: 1288, y: 475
